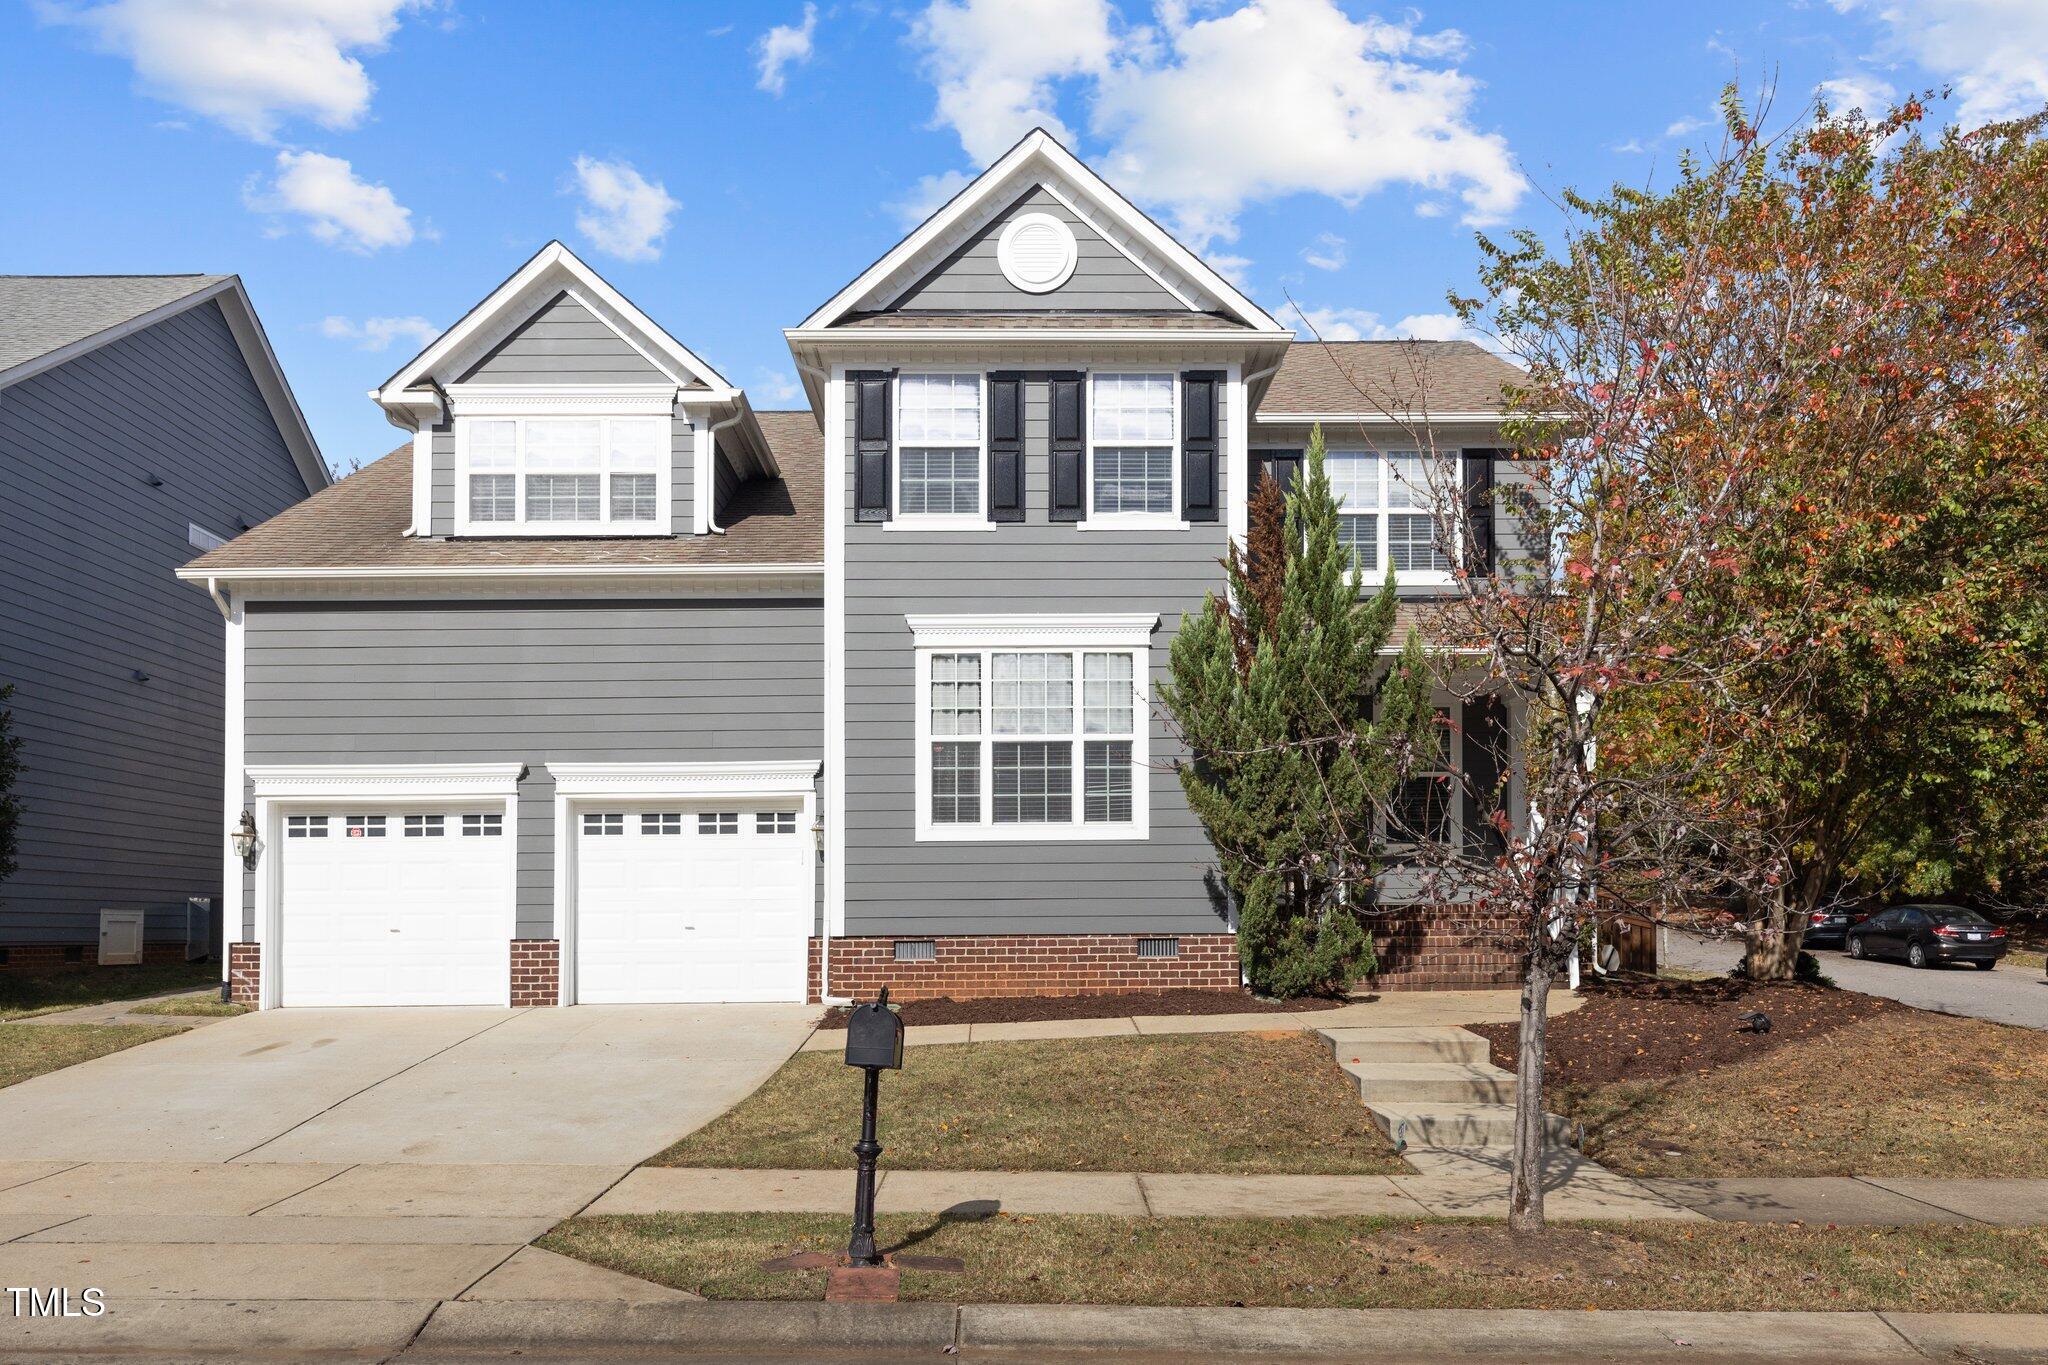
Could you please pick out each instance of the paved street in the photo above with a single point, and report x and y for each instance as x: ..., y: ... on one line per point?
x: 2010, y: 995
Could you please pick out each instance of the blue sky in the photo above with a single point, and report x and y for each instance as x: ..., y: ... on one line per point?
x: 372, y: 167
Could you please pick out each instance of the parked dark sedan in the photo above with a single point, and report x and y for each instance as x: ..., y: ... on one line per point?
x: 1927, y: 935
x: 1830, y: 928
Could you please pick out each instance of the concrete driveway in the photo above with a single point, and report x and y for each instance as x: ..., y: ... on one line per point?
x: 604, y: 1085
x: 2009, y: 995
x: 279, y: 1176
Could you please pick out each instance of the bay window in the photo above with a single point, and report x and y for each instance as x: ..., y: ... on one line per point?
x: 1386, y: 512
x: 939, y: 446
x: 1133, y: 434
x: 594, y: 475
x: 1029, y: 737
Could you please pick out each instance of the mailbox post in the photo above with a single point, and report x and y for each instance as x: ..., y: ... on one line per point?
x: 874, y: 1042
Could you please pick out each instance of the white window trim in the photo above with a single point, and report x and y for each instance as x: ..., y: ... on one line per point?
x: 787, y: 783
x: 936, y: 521
x: 1002, y: 634
x: 1376, y: 574
x: 604, y: 526
x: 1169, y: 520
x: 280, y: 789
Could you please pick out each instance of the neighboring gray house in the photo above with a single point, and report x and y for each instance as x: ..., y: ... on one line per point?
x: 142, y: 418
x: 608, y: 688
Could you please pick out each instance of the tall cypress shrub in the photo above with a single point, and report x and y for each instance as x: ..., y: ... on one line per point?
x: 1289, y: 715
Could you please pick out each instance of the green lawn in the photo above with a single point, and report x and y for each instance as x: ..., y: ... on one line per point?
x: 31, y: 1049
x: 28, y: 993
x: 1231, y: 1103
x: 1352, y: 1262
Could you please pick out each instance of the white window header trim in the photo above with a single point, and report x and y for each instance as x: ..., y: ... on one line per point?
x: 1123, y: 631
x: 793, y: 778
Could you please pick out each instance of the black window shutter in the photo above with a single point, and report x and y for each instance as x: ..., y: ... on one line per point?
x: 1283, y: 465
x: 1479, y: 505
x: 1486, y: 764
x: 1069, y: 449
x: 1006, y: 447
x: 1200, y: 391
x: 870, y: 444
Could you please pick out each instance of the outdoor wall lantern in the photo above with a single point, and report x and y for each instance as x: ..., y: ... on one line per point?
x: 244, y: 840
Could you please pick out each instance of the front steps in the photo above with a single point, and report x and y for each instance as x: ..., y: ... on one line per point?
x: 1434, y: 1087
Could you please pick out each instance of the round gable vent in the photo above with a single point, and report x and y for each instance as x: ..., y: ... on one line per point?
x: 1037, y: 253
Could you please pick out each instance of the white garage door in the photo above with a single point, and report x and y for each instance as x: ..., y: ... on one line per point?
x: 395, y: 907
x: 691, y: 904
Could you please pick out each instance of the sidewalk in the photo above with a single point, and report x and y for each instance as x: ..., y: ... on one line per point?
x: 479, y: 1330
x: 134, y: 1011
x: 1394, y: 1009
x: 1446, y: 1184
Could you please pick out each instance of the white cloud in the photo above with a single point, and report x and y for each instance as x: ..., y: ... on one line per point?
x: 1246, y: 103
x: 994, y: 64
x: 1232, y: 268
x: 1685, y: 127
x: 782, y: 45
x: 1995, y: 52
x: 246, y: 64
x: 1327, y: 252
x: 339, y: 208
x: 1857, y: 91
x: 778, y: 386
x: 624, y: 213
x: 377, y: 334
x: 927, y: 195
x: 1362, y: 324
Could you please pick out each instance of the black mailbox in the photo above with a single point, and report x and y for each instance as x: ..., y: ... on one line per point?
x: 874, y: 1035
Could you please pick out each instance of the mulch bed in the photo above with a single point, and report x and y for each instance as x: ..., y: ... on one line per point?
x: 1033, y: 1008
x: 1654, y: 1030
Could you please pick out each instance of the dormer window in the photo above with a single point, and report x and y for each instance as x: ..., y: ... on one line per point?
x: 580, y: 475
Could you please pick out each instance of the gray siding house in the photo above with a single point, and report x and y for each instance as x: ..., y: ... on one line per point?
x: 142, y: 418
x: 607, y: 687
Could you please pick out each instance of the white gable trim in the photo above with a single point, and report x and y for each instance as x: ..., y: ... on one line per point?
x: 1116, y: 218
x: 554, y: 268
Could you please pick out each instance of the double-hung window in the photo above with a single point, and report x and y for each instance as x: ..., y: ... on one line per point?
x: 1133, y: 426
x: 939, y: 448
x: 581, y: 475
x: 1031, y: 739
x: 1386, y: 503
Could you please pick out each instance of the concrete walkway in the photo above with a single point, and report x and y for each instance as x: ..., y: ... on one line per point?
x: 134, y: 1011
x: 1395, y: 1009
x: 1445, y: 1184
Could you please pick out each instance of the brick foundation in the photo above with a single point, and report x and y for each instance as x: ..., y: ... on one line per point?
x: 57, y: 957
x: 536, y: 972
x: 983, y: 965
x: 245, y: 973
x: 1442, y: 950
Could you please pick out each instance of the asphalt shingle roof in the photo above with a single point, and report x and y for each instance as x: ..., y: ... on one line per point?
x: 43, y: 313
x: 1404, y: 377
x: 361, y: 523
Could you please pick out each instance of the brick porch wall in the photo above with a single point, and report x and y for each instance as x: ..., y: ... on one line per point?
x: 983, y: 965
x: 57, y: 957
x: 1442, y: 950
x: 536, y: 972
x: 245, y: 980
